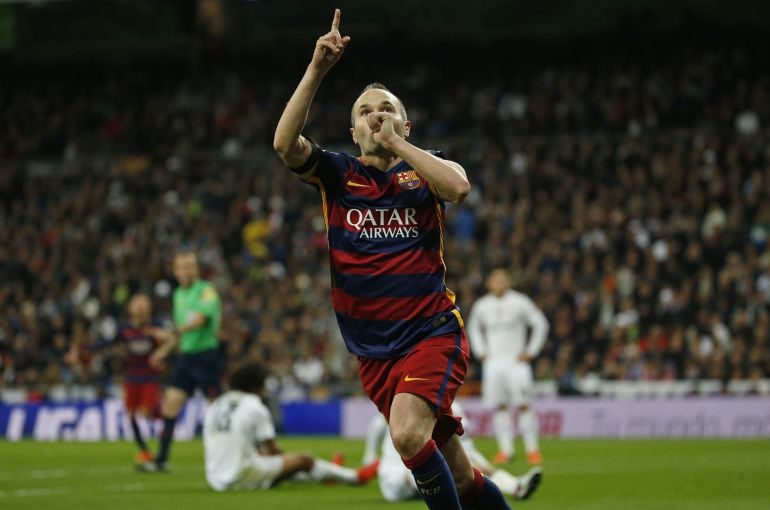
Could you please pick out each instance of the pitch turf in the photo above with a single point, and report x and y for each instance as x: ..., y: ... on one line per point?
x: 597, y: 475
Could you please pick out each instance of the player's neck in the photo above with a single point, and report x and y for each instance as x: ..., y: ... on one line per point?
x: 191, y: 284
x: 381, y: 163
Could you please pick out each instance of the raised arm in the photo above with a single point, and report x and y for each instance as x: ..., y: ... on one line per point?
x: 293, y: 148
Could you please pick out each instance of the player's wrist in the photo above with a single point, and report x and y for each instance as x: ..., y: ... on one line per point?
x: 394, y: 144
x: 317, y: 70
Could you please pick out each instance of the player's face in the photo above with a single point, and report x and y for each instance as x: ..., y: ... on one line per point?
x: 139, y: 309
x: 185, y: 269
x: 498, y: 283
x: 376, y: 100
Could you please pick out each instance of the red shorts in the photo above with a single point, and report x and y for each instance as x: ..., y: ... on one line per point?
x: 144, y: 397
x: 434, y: 369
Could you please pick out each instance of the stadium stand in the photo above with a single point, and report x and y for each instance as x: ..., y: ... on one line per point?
x: 630, y: 199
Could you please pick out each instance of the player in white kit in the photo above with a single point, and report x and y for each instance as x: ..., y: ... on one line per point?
x: 398, y: 484
x: 240, y: 447
x: 497, y: 330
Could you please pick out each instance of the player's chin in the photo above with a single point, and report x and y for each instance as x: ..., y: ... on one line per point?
x: 379, y: 151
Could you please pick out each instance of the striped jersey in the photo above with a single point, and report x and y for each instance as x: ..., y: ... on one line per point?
x: 139, y: 347
x: 385, y: 233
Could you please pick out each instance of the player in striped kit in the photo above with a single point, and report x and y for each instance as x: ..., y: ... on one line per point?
x: 384, y: 214
x: 497, y: 328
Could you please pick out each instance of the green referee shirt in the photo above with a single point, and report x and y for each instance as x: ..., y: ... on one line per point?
x: 200, y: 297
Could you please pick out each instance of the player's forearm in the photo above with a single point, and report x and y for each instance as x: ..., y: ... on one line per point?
x: 164, y: 350
x: 288, y: 142
x: 270, y: 447
x: 450, y: 180
x: 197, y: 322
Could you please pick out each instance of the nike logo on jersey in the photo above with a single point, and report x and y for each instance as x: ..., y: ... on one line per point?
x: 358, y: 184
x: 428, y: 480
x: 410, y: 379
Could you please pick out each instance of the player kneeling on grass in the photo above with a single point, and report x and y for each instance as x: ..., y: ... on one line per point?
x: 398, y: 484
x: 240, y: 447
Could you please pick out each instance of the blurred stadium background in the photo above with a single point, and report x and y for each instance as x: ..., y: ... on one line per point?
x: 619, y: 153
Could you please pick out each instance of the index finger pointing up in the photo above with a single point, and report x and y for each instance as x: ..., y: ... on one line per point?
x: 336, y: 21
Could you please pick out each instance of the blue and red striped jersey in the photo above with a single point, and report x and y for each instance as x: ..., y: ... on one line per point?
x: 139, y: 346
x: 386, y: 243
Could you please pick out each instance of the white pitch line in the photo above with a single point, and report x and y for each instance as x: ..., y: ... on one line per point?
x: 46, y: 474
x: 104, y: 489
x: 35, y: 474
x: 37, y: 491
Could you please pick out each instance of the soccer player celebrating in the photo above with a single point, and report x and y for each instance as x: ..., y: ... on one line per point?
x: 240, y: 447
x: 197, y: 314
x: 498, y: 334
x: 384, y: 213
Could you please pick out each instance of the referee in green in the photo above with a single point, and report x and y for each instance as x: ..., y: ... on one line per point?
x: 197, y: 315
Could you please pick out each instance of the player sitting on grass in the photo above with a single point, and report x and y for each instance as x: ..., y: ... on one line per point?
x: 240, y: 447
x: 397, y: 482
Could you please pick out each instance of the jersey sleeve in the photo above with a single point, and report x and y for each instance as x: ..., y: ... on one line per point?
x: 475, y: 334
x: 539, y: 324
x: 262, y: 424
x: 330, y: 171
x: 208, y: 302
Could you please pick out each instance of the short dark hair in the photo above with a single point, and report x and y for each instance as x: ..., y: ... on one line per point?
x: 375, y: 85
x: 249, y: 377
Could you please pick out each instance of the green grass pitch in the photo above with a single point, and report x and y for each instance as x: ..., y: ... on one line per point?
x: 597, y: 475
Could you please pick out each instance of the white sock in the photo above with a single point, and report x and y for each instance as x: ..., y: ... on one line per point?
x: 528, y: 426
x: 503, y: 431
x: 507, y: 483
x: 323, y: 470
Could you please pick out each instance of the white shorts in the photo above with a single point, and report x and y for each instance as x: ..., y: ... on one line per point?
x: 506, y: 383
x: 260, y: 472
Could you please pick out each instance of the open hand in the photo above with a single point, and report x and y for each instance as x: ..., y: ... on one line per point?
x: 330, y: 46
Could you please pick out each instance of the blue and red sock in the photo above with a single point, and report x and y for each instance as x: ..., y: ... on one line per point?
x: 483, y: 495
x: 434, y: 479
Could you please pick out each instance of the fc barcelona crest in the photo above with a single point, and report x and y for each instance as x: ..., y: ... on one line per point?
x: 408, y: 180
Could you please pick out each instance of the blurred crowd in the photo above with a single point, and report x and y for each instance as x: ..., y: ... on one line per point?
x: 630, y: 198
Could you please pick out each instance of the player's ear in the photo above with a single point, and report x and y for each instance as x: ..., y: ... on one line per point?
x: 353, y: 136
x: 407, y: 128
